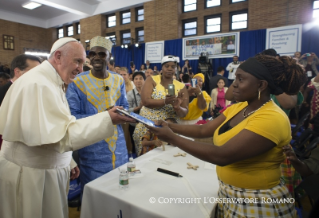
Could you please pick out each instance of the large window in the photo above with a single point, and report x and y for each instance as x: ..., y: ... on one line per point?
x: 238, y: 20
x: 315, y: 13
x: 190, y: 27
x: 189, y: 5
x: 212, y: 3
x: 70, y: 31
x: 126, y: 37
x: 60, y: 33
x: 78, y: 29
x: 126, y: 17
x: 213, y: 24
x: 112, y: 37
x: 235, y: 1
x: 139, y: 34
x: 111, y: 20
x: 139, y: 14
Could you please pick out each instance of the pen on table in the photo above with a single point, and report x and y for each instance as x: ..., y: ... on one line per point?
x: 169, y: 172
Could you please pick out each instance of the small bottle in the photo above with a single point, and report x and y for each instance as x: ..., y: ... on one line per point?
x: 131, y: 166
x: 123, y: 180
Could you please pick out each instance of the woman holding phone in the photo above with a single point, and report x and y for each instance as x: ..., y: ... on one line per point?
x: 157, y: 103
x: 198, y: 101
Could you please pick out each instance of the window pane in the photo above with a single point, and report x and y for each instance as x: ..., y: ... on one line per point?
x: 112, y: 18
x: 79, y: 28
x: 126, y: 15
x: 140, y: 12
x: 213, y: 21
x: 239, y: 17
x: 140, y: 18
x: 315, y: 4
x: 113, y: 23
x: 70, y: 31
x: 190, y: 25
x: 238, y: 1
x: 126, y: 20
x: 212, y: 3
x: 239, y: 25
x: 61, y: 31
x: 188, y: 2
x: 126, y: 41
x: 60, y: 35
x: 141, y: 33
x: 190, y: 32
x: 315, y: 13
x: 190, y: 7
x: 141, y: 38
x: 126, y: 35
x: 215, y: 28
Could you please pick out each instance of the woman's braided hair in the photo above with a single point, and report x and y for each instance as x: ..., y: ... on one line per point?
x: 285, y: 71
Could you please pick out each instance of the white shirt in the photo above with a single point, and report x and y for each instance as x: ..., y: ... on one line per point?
x: 232, y: 68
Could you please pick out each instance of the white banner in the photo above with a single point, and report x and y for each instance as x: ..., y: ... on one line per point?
x: 285, y: 40
x: 154, y: 51
x: 223, y: 45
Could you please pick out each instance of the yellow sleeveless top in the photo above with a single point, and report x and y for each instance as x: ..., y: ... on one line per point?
x: 262, y: 171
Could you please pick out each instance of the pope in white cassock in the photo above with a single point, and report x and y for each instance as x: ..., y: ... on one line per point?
x: 39, y: 134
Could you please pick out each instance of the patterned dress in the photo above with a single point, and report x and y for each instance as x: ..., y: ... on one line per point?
x: 162, y: 113
x: 87, y: 96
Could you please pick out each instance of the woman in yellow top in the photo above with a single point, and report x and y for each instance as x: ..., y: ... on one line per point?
x: 248, y: 139
x: 157, y: 105
x: 199, y: 101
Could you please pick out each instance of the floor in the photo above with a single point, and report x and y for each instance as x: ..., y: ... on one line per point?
x: 73, y: 213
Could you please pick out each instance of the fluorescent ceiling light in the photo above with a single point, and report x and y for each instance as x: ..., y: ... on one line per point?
x: 31, y: 5
x: 60, y: 7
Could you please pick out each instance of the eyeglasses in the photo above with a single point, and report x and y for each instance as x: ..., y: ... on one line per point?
x: 92, y: 54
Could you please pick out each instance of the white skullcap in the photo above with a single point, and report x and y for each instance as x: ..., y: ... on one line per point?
x: 60, y: 42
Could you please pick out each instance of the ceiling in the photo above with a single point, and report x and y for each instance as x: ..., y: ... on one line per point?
x: 55, y: 13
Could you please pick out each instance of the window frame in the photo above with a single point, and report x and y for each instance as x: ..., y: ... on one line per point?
x: 67, y: 30
x: 231, y: 1
x: 232, y: 13
x: 189, y: 21
x: 112, y: 34
x: 58, y: 32
x: 123, y: 32
x: 189, y: 11
x: 210, y: 17
x: 212, y: 6
x: 77, y: 28
x: 123, y: 12
x: 136, y: 14
x: 107, y: 20
x: 137, y: 36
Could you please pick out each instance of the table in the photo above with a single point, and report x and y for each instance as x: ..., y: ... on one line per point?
x: 190, y: 196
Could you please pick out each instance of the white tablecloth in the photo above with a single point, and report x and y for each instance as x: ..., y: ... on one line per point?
x: 103, y: 198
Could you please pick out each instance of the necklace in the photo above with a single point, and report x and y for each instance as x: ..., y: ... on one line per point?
x: 250, y: 113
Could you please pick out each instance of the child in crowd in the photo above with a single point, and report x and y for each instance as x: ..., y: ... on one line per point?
x: 150, y: 140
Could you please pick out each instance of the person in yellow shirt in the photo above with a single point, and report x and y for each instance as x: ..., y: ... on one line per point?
x: 199, y: 101
x: 247, y: 139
